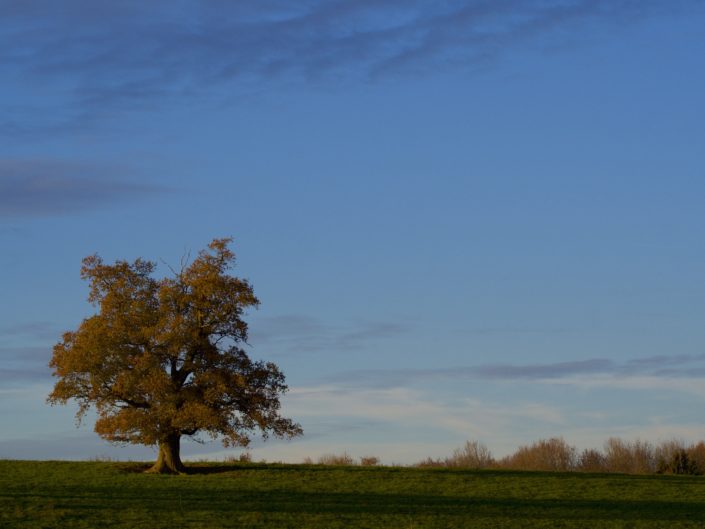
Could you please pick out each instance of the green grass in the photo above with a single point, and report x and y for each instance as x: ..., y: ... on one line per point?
x: 107, y: 495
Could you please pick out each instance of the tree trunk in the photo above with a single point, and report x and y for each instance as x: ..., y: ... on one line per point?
x: 169, y: 460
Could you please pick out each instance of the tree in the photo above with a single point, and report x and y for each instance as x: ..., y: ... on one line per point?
x: 162, y: 358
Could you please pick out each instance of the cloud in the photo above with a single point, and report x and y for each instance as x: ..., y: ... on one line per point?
x: 138, y: 55
x: 397, y: 409
x: 542, y: 371
x: 595, y: 370
x: 38, y: 188
x: 303, y: 334
x: 688, y: 383
x: 480, y: 331
x: 10, y: 377
x: 19, y: 365
x: 25, y: 363
x: 26, y: 354
x: 84, y: 446
x: 663, y: 361
x: 40, y: 330
x: 404, y: 405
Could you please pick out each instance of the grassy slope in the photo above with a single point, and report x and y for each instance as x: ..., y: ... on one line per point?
x: 106, y: 495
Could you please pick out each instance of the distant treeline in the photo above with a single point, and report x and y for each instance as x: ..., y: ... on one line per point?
x: 556, y: 455
x: 635, y: 457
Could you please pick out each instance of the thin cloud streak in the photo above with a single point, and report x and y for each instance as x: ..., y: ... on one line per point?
x: 20, y: 365
x: 409, y: 407
x: 83, y: 447
x: 10, y: 378
x: 40, y: 330
x: 138, y: 55
x: 596, y: 369
x: 491, y: 331
x: 26, y: 354
x: 39, y: 188
x: 302, y: 334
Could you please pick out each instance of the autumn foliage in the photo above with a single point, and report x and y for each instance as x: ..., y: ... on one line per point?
x: 556, y: 455
x: 162, y: 358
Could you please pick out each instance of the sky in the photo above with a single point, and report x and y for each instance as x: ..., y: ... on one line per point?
x: 465, y: 220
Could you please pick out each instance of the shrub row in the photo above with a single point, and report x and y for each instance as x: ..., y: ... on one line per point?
x: 636, y: 457
x: 343, y: 459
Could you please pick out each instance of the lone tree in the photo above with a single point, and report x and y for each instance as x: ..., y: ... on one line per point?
x: 162, y: 358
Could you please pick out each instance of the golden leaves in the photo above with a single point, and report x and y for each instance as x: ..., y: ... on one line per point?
x: 152, y: 360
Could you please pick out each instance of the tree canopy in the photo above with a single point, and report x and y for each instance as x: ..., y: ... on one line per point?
x: 162, y: 358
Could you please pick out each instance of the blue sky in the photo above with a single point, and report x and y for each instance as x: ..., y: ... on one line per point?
x: 464, y: 219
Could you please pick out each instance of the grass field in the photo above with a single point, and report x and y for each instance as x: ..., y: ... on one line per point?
x: 106, y: 495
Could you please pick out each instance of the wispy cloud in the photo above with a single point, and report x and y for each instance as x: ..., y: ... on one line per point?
x: 12, y: 377
x: 19, y: 365
x: 513, y: 330
x: 25, y: 363
x: 26, y: 354
x: 409, y: 407
x: 303, y: 334
x: 131, y: 55
x: 40, y: 330
x: 36, y: 188
x: 77, y: 447
x: 595, y: 370
x: 683, y: 382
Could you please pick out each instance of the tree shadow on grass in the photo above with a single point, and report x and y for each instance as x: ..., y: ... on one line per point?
x: 216, y: 468
x: 270, y: 467
x: 133, y: 468
x: 292, y: 502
